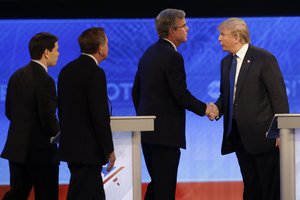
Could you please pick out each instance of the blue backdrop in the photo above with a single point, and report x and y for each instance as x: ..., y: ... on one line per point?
x: 128, y: 39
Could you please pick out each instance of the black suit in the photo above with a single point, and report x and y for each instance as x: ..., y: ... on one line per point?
x: 160, y: 89
x: 86, y: 138
x: 260, y: 93
x: 30, y: 107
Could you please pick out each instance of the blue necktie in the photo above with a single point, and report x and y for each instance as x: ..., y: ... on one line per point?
x: 231, y: 92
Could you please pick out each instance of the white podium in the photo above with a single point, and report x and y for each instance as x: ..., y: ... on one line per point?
x: 287, y: 127
x: 134, y: 124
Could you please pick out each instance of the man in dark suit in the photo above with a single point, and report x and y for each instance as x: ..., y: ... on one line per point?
x: 160, y: 89
x: 86, y: 139
x: 30, y: 106
x: 258, y: 92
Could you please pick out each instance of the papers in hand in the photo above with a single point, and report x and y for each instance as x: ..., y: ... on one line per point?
x: 55, y: 139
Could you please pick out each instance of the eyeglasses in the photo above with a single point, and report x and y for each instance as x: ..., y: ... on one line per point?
x: 183, y: 26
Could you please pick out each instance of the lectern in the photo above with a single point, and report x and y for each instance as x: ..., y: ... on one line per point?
x: 134, y: 125
x: 287, y: 128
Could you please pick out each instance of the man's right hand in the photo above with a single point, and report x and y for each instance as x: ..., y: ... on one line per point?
x: 212, y: 111
x: 111, y: 161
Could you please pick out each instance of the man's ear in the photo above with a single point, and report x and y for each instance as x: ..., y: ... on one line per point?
x: 100, y: 49
x: 236, y: 39
x: 171, y: 31
x: 46, y: 53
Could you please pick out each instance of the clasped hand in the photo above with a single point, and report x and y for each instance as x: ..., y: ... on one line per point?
x: 212, y: 111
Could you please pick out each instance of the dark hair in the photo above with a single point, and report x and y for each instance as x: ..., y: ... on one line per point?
x: 39, y: 43
x: 90, y: 39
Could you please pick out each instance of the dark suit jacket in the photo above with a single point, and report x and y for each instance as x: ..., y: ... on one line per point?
x: 160, y: 89
x: 86, y: 136
x: 30, y: 107
x: 260, y: 93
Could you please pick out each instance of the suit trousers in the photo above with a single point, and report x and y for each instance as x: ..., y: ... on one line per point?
x: 44, y: 179
x: 162, y: 165
x: 260, y: 172
x: 85, y: 183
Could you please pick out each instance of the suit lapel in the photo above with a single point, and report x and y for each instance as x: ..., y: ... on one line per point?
x: 244, y: 69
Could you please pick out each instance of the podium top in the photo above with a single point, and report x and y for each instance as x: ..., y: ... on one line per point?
x: 131, y: 117
x: 283, y: 121
x: 132, y: 123
x: 287, y: 115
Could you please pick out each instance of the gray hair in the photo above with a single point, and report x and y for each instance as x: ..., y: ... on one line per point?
x: 238, y: 28
x: 166, y: 19
x: 90, y: 39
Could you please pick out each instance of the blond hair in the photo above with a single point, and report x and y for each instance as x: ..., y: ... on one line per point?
x: 238, y: 28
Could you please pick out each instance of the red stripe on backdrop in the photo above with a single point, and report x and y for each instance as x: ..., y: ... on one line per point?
x: 207, y: 190
x: 185, y: 191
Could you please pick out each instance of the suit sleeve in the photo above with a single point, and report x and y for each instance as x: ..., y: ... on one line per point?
x: 220, y: 101
x: 99, y: 112
x: 47, y: 102
x: 274, y: 83
x: 8, y: 101
x: 177, y: 81
x: 136, y: 91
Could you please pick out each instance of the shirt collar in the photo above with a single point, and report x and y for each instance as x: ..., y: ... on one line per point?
x: 242, y: 52
x: 42, y: 64
x: 91, y: 57
x: 171, y: 43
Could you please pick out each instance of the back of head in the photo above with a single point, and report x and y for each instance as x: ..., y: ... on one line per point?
x: 237, y: 27
x: 39, y: 43
x: 166, y: 19
x: 90, y: 39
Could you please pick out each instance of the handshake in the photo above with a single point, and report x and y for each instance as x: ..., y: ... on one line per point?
x: 212, y: 111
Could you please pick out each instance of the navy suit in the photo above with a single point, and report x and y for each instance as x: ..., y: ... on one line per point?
x: 31, y: 106
x: 160, y: 89
x: 86, y: 137
x: 260, y: 93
